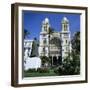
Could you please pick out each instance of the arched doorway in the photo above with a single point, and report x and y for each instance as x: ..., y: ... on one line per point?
x: 54, y: 60
x: 59, y: 60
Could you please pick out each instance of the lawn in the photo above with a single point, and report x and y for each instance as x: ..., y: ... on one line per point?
x: 37, y: 74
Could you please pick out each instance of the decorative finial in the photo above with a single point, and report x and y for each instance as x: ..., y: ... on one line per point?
x: 65, y: 20
x: 46, y: 20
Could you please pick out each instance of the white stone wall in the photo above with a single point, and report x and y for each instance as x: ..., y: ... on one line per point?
x: 32, y: 63
x: 27, y: 47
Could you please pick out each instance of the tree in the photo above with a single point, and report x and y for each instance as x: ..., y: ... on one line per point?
x: 26, y: 33
x: 76, y: 43
x: 71, y: 64
x: 45, y: 60
x: 75, y: 54
x: 76, y: 51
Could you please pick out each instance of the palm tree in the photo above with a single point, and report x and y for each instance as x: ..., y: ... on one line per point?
x: 26, y: 33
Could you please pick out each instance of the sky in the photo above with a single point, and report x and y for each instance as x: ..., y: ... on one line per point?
x: 32, y: 22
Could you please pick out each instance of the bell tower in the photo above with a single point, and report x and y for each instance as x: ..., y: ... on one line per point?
x: 65, y: 37
x: 44, y: 41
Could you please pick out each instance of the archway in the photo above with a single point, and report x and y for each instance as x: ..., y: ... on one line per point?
x: 59, y: 60
x: 54, y: 60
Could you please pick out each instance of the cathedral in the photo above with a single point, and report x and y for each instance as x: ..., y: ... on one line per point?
x: 53, y: 44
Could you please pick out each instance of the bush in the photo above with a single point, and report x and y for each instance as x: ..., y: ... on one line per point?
x: 59, y: 70
x: 67, y: 69
x: 40, y: 70
x: 56, y: 71
x: 31, y: 70
x: 43, y: 70
x: 45, y: 60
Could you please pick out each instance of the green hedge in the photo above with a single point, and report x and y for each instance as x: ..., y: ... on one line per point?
x: 43, y: 70
x: 40, y: 70
x: 31, y: 70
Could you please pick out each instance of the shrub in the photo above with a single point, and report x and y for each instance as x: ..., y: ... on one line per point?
x: 56, y: 71
x: 67, y: 69
x: 43, y: 70
x: 31, y: 70
x: 59, y: 70
x: 45, y: 60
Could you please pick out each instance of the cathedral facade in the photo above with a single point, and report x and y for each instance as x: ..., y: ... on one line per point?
x: 55, y: 45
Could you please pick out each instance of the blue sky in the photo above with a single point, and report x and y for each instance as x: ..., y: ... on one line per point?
x: 32, y: 21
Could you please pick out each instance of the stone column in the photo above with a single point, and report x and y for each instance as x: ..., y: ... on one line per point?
x: 57, y: 60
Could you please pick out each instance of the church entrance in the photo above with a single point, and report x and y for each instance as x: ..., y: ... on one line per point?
x: 59, y: 60
x: 54, y: 60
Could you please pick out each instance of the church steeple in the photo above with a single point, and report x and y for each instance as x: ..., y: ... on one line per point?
x: 66, y: 42
x: 44, y: 40
x: 65, y: 24
x: 45, y: 25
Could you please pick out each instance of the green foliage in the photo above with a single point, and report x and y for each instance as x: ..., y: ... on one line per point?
x: 71, y: 64
x: 76, y: 43
x: 45, y: 61
x: 26, y: 33
x: 43, y: 70
x: 31, y: 70
x: 69, y: 67
x: 39, y: 70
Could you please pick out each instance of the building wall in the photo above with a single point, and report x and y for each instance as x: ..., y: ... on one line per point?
x: 27, y: 48
x: 31, y: 48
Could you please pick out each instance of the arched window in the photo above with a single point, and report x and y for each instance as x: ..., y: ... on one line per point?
x: 66, y: 48
x: 44, y: 49
x: 65, y: 27
x: 44, y: 41
x: 66, y: 41
x: 45, y: 28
